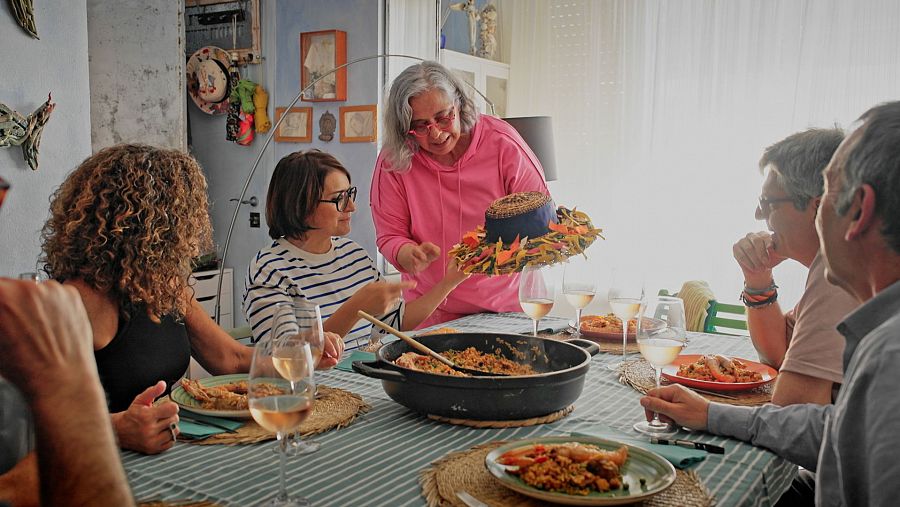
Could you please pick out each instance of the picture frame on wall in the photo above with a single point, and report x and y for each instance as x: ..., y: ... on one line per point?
x: 321, y: 52
x: 297, y: 125
x: 359, y: 124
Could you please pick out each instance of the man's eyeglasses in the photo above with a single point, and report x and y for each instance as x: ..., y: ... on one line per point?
x: 440, y: 123
x: 343, y: 199
x: 765, y: 203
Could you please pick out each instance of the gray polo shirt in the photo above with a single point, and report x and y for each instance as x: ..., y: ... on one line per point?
x: 853, y: 445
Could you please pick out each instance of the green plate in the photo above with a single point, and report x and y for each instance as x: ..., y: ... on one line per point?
x: 658, y: 473
x: 187, y: 402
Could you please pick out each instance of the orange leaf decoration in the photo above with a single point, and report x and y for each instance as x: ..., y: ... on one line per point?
x: 470, y: 239
x: 558, y: 227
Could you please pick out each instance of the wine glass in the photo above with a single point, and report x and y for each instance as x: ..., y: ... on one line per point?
x: 281, y: 392
x: 536, y: 293
x: 294, y: 324
x: 579, y: 287
x: 626, y: 298
x: 660, y: 341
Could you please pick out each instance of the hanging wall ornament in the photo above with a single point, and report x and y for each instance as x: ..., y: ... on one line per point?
x: 18, y: 130
x: 23, y: 11
x: 327, y: 124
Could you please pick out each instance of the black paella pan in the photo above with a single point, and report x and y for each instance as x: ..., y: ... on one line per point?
x: 560, y: 366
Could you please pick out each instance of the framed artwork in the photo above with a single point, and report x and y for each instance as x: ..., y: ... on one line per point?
x: 297, y: 125
x: 320, y: 53
x: 359, y: 124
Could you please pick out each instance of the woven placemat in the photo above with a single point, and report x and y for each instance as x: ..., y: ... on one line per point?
x: 334, y: 409
x: 544, y: 419
x: 465, y: 471
x: 640, y: 375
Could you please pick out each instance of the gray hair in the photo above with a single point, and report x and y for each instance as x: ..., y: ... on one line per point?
x: 413, y: 81
x: 800, y: 160
x: 874, y: 159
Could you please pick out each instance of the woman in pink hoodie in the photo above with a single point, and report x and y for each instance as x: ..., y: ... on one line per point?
x: 441, y: 166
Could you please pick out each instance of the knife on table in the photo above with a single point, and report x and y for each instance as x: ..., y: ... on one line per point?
x: 690, y: 444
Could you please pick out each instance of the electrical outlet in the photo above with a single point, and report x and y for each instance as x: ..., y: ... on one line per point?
x: 254, y: 219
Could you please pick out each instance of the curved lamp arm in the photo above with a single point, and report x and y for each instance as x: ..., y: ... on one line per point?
x: 265, y: 145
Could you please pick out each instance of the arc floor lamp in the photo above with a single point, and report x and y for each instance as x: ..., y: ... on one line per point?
x: 535, y: 130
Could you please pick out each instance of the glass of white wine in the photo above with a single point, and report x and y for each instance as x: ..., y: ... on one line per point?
x: 281, y: 392
x: 660, y: 345
x: 579, y: 286
x: 536, y: 294
x: 295, y: 324
x: 626, y: 298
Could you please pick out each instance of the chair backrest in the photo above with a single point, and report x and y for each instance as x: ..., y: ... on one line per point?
x: 241, y: 334
x: 724, y: 318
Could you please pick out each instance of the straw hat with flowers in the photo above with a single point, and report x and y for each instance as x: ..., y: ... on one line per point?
x: 521, y: 229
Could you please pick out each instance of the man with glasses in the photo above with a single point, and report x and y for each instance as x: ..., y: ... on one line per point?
x: 803, y: 343
x: 851, y: 445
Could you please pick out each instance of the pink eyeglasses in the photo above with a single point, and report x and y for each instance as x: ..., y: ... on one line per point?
x: 442, y: 123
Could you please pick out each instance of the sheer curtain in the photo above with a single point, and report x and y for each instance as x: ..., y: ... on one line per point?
x: 661, y: 111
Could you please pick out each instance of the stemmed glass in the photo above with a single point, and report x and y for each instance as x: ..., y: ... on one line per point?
x: 294, y: 324
x: 536, y: 293
x: 660, y: 345
x: 579, y: 286
x: 281, y: 392
x: 626, y: 298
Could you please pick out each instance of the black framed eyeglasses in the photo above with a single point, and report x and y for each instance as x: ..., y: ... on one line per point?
x: 765, y: 203
x: 342, y: 199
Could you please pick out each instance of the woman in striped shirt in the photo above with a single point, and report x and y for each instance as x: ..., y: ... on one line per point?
x: 308, y: 209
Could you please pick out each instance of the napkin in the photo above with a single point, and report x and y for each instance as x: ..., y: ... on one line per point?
x: 681, y: 457
x: 195, y: 428
x: 356, y: 355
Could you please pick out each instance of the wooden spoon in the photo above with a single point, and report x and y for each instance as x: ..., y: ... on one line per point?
x: 425, y: 350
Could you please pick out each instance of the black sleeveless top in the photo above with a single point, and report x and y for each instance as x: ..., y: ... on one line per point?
x: 141, y: 354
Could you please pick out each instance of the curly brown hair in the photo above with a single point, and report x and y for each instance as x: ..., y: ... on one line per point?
x: 127, y: 222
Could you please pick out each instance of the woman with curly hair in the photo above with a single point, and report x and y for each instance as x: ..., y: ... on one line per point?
x: 124, y: 227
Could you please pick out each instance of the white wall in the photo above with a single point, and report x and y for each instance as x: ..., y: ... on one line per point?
x: 29, y: 69
x: 136, y: 50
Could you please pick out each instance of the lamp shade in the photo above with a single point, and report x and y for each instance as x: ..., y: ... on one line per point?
x: 537, y: 131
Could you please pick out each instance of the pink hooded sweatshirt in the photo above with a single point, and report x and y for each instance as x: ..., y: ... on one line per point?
x: 438, y: 203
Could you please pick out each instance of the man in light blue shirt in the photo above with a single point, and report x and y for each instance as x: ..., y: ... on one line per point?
x: 851, y: 445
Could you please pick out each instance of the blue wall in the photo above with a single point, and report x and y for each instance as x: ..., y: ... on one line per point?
x: 29, y: 69
x: 227, y: 164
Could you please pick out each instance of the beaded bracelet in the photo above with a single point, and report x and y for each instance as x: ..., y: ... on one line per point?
x: 752, y: 304
x: 760, y: 292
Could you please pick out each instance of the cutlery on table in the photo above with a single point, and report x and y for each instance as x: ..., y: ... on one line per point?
x: 469, y: 500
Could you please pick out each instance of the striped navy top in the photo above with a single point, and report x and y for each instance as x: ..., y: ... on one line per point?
x: 284, y: 273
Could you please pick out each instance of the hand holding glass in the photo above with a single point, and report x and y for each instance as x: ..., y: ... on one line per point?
x: 660, y: 345
x: 536, y: 294
x: 579, y: 286
x: 281, y: 393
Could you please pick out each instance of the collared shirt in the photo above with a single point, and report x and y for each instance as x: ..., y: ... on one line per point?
x: 853, y: 444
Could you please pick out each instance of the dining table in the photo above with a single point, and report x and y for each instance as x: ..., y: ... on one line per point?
x: 378, y: 458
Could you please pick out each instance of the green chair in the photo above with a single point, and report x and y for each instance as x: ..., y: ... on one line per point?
x: 724, y: 318
x: 721, y: 318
